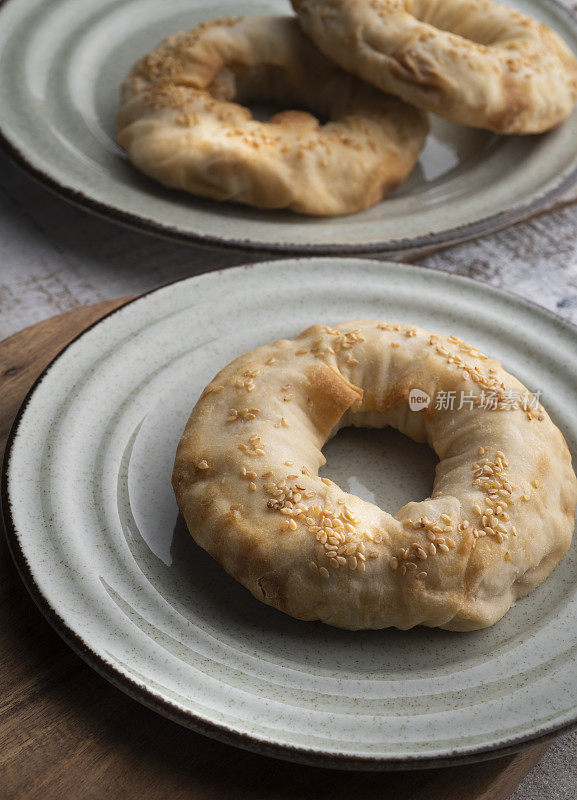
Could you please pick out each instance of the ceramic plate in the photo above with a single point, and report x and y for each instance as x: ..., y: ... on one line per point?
x: 61, y: 66
x: 94, y: 527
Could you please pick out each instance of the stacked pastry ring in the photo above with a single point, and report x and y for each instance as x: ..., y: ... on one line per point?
x: 246, y: 479
x: 477, y: 63
x: 185, y: 119
x: 181, y: 121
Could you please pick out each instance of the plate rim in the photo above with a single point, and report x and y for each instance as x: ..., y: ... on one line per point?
x: 416, y: 246
x: 188, y: 719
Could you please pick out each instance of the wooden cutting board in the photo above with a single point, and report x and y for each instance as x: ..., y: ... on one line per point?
x: 65, y: 732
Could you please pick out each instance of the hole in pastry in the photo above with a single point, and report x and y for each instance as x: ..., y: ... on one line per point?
x: 382, y: 466
x: 266, y: 90
x: 451, y: 17
x: 263, y: 112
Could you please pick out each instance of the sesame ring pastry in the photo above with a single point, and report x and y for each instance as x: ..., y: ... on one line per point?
x: 476, y: 63
x: 184, y: 121
x: 500, y: 517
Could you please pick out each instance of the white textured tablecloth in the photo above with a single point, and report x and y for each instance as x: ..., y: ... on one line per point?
x: 55, y: 257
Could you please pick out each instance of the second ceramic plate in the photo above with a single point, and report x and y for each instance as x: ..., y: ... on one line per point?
x: 61, y: 66
x: 95, y: 529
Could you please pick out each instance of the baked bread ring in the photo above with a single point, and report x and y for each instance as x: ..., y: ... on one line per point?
x: 246, y: 480
x: 477, y: 62
x: 181, y: 122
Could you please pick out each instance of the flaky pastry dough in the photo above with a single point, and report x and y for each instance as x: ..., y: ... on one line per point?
x: 475, y: 62
x: 500, y: 517
x: 184, y: 121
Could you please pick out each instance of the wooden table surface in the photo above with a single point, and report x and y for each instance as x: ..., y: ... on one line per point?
x: 56, y: 258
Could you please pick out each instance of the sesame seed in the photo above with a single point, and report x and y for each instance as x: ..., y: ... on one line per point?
x: 202, y: 464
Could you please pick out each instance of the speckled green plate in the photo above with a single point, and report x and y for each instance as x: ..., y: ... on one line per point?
x: 61, y: 66
x: 94, y: 528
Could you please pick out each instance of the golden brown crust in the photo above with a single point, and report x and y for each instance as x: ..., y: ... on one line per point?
x: 476, y: 63
x: 500, y: 518
x: 329, y: 395
x: 183, y: 123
